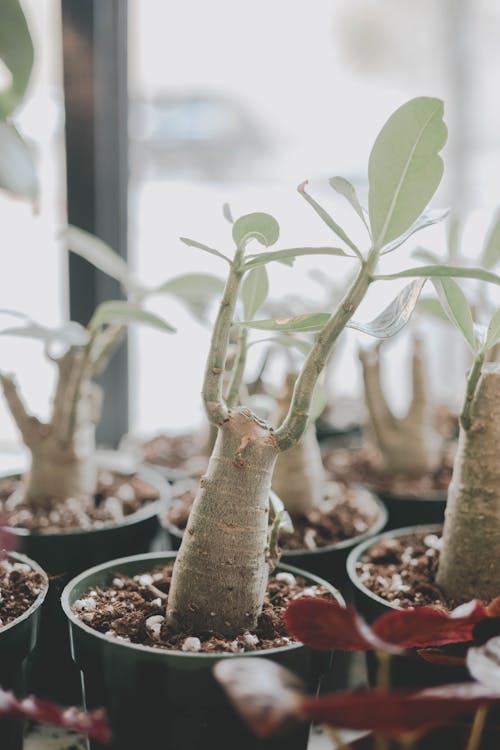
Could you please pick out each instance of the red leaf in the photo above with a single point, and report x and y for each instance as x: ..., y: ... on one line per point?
x: 427, y: 626
x: 442, y: 658
x: 394, y: 714
x: 325, y: 625
x: 264, y: 693
x: 93, y: 724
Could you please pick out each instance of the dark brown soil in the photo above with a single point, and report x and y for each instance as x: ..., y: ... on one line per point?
x: 402, y: 571
x: 361, y: 466
x: 19, y: 588
x: 124, y: 611
x: 117, y: 496
x: 183, y: 452
x: 346, y: 512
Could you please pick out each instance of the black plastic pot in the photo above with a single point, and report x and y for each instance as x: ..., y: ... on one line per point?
x: 408, y: 510
x: 51, y: 671
x: 159, y: 698
x: 407, y: 671
x: 326, y: 562
x: 16, y: 641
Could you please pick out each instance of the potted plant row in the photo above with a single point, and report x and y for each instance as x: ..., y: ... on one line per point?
x: 144, y: 633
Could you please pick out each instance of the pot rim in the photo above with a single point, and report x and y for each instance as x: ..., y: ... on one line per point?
x: 39, y: 599
x: 159, y: 556
x: 377, y: 526
x: 436, y: 496
x: 356, y: 553
x: 147, y: 511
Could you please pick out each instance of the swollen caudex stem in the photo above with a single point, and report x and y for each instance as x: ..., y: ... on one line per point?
x: 221, y: 572
x: 62, y: 449
x: 409, y: 446
x: 299, y: 476
x: 469, y: 564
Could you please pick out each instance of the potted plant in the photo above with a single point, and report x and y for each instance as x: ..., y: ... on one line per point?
x: 406, y: 459
x: 416, y: 565
x: 219, y: 580
x: 67, y: 512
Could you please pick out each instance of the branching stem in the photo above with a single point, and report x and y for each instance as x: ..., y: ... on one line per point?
x: 472, y: 381
x: 215, y: 406
x: 239, y: 369
x: 296, y: 420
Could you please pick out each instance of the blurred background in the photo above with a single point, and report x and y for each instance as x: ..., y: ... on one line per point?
x: 146, y: 116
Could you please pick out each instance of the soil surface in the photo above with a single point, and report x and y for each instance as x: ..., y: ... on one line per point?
x: 133, y: 609
x: 346, y: 512
x: 402, y: 571
x: 117, y: 496
x: 184, y: 452
x: 19, y: 588
x: 360, y: 465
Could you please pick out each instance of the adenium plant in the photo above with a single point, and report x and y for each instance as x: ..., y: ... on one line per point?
x: 63, y: 460
x: 220, y: 575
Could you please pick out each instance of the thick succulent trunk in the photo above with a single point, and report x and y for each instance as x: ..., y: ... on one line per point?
x: 409, y: 446
x: 63, y: 469
x: 469, y: 564
x: 299, y: 477
x: 221, y: 572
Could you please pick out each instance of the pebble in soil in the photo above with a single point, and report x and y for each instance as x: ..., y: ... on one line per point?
x: 402, y: 570
x: 133, y: 609
x: 117, y: 496
x: 19, y: 588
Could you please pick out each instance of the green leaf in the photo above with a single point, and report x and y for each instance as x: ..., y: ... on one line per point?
x: 70, y: 333
x: 318, y: 402
x: 426, y: 256
x: 17, y: 166
x: 258, y: 226
x: 405, y: 168
x: 309, y: 323
x: 16, y: 52
x: 226, y: 212
x: 325, y: 216
x: 206, y: 248
x: 440, y: 271
x: 254, y: 291
x: 288, y: 256
x: 395, y: 316
x: 286, y: 340
x: 347, y: 189
x: 99, y: 254
x: 195, y: 290
x: 457, y: 308
x: 432, y: 306
x: 493, y: 333
x: 121, y: 313
x: 426, y: 220
x: 491, y: 252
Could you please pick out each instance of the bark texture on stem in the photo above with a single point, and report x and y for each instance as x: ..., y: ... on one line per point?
x: 221, y: 572
x: 410, y: 445
x: 299, y: 477
x: 469, y: 564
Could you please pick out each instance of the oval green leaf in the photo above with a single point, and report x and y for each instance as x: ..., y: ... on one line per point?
x: 258, y: 226
x: 99, y: 254
x: 195, y: 290
x: 118, y: 312
x: 17, y: 165
x: 405, y: 168
x: 309, y: 323
x: 395, y: 316
x: 457, y: 308
x: 254, y: 291
x: 16, y: 52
